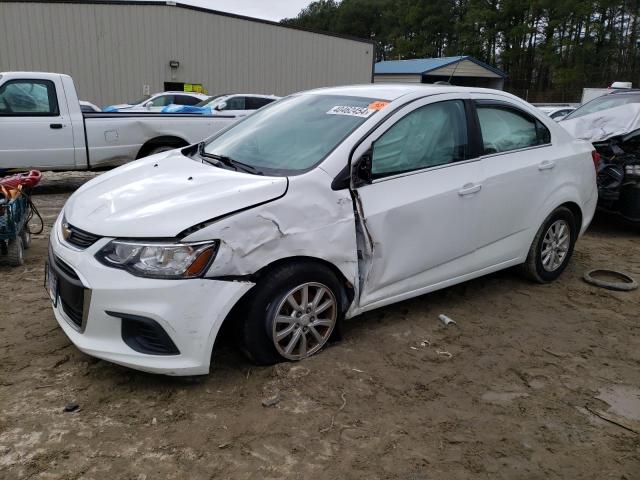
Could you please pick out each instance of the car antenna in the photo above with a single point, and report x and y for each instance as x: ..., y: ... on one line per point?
x: 454, y: 69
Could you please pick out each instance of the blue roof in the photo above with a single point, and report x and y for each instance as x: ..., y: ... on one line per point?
x: 421, y: 66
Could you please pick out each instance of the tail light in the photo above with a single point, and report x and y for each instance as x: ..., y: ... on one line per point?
x: 596, y: 159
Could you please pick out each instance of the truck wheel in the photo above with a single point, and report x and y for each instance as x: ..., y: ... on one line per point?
x: 552, y: 247
x: 25, y: 234
x: 292, y: 314
x: 160, y: 149
x: 15, y: 252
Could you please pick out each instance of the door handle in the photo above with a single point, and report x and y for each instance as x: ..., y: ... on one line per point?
x: 56, y: 126
x: 469, y: 189
x: 546, y: 165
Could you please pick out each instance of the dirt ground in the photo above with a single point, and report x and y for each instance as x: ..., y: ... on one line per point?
x: 519, y: 389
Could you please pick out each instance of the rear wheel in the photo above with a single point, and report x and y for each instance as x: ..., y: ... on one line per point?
x: 292, y: 314
x: 15, y: 252
x: 552, y: 246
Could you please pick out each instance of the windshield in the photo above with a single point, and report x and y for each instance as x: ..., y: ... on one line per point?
x: 293, y: 134
x: 602, y: 103
x: 206, y: 101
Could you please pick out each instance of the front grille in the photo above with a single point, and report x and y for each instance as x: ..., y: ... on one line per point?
x: 72, y: 312
x: 71, y: 291
x: 79, y: 238
x: 66, y: 268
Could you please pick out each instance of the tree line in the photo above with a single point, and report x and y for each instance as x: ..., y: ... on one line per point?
x: 550, y: 49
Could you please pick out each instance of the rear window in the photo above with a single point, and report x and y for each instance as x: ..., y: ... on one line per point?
x: 611, y: 100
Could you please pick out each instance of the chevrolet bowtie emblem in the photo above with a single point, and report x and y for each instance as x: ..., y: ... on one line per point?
x: 66, y: 231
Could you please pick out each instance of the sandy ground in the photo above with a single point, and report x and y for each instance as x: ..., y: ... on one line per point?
x: 531, y: 371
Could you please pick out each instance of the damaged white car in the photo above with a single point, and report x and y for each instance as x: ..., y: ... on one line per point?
x: 318, y: 207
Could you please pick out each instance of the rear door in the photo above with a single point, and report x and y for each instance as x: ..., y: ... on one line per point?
x: 421, y: 208
x: 518, y: 162
x: 35, y: 128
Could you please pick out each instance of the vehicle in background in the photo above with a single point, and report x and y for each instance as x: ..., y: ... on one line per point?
x: 589, y: 94
x: 321, y: 206
x: 88, y: 107
x: 612, y: 99
x: 156, y: 102
x: 42, y: 126
x: 239, y: 104
x: 557, y: 112
x: 612, y: 124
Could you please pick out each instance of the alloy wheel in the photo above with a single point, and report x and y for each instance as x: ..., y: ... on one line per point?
x: 304, y: 320
x: 555, y: 245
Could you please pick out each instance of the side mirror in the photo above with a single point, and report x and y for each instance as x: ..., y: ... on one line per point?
x: 221, y: 106
x: 361, y: 173
x: 148, y: 105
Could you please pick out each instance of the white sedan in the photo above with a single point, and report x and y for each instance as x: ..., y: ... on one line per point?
x: 156, y: 102
x: 316, y: 208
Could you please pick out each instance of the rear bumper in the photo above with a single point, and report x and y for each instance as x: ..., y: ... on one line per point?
x: 189, y: 311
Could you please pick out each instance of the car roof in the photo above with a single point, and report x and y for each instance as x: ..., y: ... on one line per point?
x: 623, y: 91
x: 259, y: 95
x: 192, y: 94
x: 393, y: 91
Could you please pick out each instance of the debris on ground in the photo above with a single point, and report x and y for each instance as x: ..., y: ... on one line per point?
x: 272, y: 401
x: 71, y: 407
x: 610, y: 279
x: 446, y: 321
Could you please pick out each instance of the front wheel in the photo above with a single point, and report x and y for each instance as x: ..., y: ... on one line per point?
x: 292, y: 314
x: 552, y: 246
x: 15, y: 252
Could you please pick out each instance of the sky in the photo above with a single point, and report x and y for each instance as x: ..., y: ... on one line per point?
x: 267, y: 9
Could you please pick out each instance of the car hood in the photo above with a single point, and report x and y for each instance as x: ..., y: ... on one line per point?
x: 162, y: 195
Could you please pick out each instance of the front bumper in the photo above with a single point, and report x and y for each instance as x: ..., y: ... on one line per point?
x: 189, y: 311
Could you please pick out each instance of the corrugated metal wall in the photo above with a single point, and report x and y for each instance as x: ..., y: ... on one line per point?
x: 112, y: 51
x: 397, y: 78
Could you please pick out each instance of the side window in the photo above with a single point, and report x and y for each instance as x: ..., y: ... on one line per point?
x: 28, y: 98
x: 254, y: 103
x: 432, y: 135
x: 504, y: 129
x: 185, y: 100
x: 235, y: 103
x: 162, y: 101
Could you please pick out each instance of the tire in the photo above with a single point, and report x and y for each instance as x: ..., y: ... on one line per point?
x: 544, y: 267
x: 25, y: 234
x: 160, y: 149
x: 15, y: 252
x: 269, y: 298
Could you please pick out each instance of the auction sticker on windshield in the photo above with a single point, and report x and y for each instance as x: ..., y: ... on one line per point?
x: 351, y: 111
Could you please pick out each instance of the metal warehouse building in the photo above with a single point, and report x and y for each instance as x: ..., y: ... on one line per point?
x: 118, y: 51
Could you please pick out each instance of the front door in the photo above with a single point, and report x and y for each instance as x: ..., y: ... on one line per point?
x: 35, y: 130
x: 420, y: 212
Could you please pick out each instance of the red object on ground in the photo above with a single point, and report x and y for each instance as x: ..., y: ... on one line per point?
x: 30, y: 179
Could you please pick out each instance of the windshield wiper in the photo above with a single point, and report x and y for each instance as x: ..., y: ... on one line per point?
x: 228, y: 161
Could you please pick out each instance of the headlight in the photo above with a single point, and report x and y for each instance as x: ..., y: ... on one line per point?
x: 159, y: 259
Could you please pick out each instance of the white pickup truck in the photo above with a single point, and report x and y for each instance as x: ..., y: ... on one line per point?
x: 42, y: 126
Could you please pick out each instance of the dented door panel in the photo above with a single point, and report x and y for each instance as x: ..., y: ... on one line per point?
x: 421, y: 229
